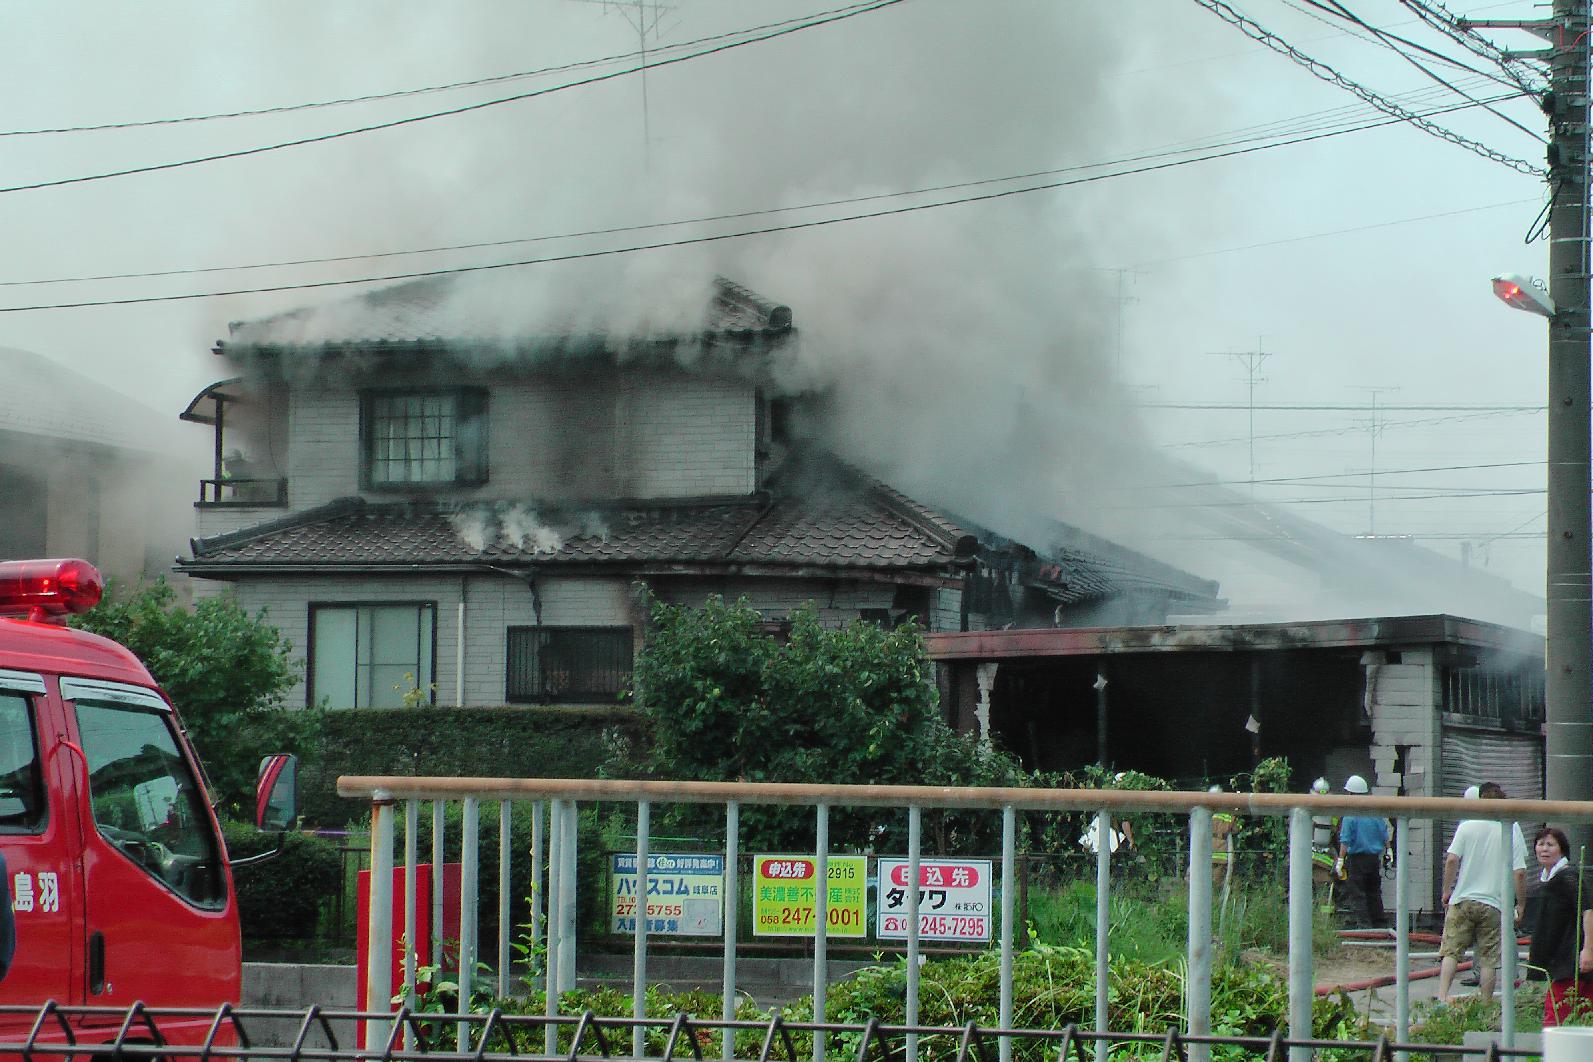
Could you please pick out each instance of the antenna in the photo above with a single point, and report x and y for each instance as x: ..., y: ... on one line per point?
x: 1251, y: 360
x: 1376, y: 426
x: 644, y: 17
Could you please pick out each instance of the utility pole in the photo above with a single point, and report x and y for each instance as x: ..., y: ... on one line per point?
x: 1251, y: 360
x: 1569, y: 694
x: 644, y: 17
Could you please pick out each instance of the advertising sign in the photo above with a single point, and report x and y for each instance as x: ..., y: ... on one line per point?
x: 685, y: 894
x: 785, y: 897
x: 953, y: 899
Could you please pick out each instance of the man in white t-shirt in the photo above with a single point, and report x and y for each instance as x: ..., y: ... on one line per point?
x: 1473, y: 898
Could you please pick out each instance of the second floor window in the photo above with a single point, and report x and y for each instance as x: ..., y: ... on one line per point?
x: 423, y: 438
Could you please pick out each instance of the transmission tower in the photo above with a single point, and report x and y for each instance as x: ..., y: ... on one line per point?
x: 645, y: 17
x: 1251, y: 361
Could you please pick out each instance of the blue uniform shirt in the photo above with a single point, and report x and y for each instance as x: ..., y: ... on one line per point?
x: 1363, y: 835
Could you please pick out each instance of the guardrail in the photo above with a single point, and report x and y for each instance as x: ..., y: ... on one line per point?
x: 561, y: 796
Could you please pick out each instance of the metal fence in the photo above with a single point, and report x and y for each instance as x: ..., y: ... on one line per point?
x: 554, y: 834
x: 408, y: 1036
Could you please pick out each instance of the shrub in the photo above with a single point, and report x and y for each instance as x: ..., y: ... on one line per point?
x: 518, y: 742
x: 281, y: 898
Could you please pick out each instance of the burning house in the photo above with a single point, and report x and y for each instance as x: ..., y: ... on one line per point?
x: 1418, y: 705
x: 436, y: 499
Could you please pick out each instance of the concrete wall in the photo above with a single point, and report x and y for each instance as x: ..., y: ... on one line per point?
x: 1404, y: 700
x: 656, y: 436
x: 492, y: 604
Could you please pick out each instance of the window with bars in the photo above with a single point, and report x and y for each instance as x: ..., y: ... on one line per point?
x: 420, y: 438
x: 582, y: 664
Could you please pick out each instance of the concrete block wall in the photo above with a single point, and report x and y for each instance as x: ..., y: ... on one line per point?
x: 650, y: 437
x: 493, y: 603
x: 945, y: 610
x: 1404, y: 700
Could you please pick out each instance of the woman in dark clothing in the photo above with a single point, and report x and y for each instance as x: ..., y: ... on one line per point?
x: 1559, y: 952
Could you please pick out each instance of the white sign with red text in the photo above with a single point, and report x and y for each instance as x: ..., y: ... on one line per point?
x: 953, y: 899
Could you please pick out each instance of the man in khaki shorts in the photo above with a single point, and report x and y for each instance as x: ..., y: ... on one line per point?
x: 1474, y: 882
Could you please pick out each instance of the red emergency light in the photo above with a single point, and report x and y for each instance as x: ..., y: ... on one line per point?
x: 48, y: 590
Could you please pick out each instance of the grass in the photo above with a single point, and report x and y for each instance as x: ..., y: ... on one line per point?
x: 1150, y: 922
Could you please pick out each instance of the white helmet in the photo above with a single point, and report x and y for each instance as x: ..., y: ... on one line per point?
x: 1320, y: 787
x: 1215, y: 789
x: 1356, y: 784
x: 1473, y: 792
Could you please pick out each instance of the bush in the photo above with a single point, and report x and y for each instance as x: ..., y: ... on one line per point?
x: 519, y: 742
x: 281, y: 898
x: 220, y: 666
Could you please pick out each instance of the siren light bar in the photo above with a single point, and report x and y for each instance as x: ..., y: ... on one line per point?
x: 49, y: 590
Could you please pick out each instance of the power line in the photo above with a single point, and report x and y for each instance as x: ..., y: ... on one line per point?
x: 1343, y: 430
x: 1385, y: 38
x: 1355, y: 499
x: 1335, y: 475
x: 418, y: 91
x: 1333, y: 232
x: 1259, y: 33
x: 688, y: 241
x: 873, y: 5
x: 733, y: 216
x: 1230, y: 407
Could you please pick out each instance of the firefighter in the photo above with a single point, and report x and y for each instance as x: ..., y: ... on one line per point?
x: 1224, y: 828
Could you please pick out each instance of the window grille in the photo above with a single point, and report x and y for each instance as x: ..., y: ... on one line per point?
x: 582, y: 664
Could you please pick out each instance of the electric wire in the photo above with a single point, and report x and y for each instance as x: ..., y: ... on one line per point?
x: 1261, y: 34
x: 651, y: 226
x: 423, y: 90
x: 261, y: 149
x: 709, y: 238
x: 1452, y: 26
x: 1387, y: 39
x: 1345, y: 430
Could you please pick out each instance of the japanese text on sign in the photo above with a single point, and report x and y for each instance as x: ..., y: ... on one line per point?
x: 953, y: 899
x: 685, y: 894
x: 785, y: 896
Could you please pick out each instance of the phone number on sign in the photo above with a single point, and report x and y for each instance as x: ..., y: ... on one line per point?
x: 959, y: 926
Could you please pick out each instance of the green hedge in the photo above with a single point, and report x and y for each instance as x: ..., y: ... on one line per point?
x: 281, y: 898
x: 520, y: 742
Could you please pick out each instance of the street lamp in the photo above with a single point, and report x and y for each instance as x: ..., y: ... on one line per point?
x: 1524, y: 293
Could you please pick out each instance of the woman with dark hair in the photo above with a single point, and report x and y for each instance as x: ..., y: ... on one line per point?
x: 1559, y: 953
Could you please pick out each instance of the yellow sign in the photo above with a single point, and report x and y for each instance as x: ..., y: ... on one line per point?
x: 784, y: 898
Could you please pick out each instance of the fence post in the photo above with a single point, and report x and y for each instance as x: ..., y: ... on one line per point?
x: 1507, y: 937
x: 915, y: 845
x: 1198, y: 987
x: 1302, y: 905
x: 538, y: 893
x: 1402, y: 936
x: 469, y: 908
x: 1009, y: 848
x: 644, y: 825
x: 411, y: 945
x: 379, y: 928
x: 436, y: 883
x: 554, y: 927
x: 821, y: 914
x: 1103, y: 922
x: 732, y: 912
x: 568, y: 897
x: 504, y: 958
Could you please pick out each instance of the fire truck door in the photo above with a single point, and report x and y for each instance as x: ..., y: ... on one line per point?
x: 39, y: 842
x: 158, y: 925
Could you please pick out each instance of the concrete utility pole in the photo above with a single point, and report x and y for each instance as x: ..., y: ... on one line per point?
x: 1569, y: 762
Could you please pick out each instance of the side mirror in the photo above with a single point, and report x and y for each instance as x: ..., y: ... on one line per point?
x: 276, y: 793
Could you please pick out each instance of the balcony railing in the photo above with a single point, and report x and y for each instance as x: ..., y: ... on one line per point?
x: 241, y: 492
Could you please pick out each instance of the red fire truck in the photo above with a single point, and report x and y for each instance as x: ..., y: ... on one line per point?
x: 116, y: 884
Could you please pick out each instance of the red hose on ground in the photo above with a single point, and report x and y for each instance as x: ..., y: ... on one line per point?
x: 1416, y: 936
x: 1384, y: 981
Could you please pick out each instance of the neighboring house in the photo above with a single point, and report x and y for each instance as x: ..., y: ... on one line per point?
x: 1418, y: 705
x: 464, y: 514
x: 88, y: 472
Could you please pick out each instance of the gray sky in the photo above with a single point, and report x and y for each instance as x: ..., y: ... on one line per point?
x: 992, y: 329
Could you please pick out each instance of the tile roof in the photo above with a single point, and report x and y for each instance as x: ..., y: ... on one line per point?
x: 850, y: 530
x: 510, y: 311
